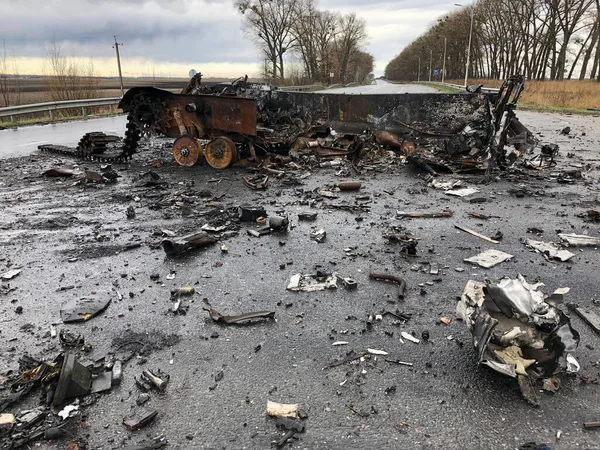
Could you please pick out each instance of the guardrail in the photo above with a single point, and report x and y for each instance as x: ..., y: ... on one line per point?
x: 308, y: 87
x: 52, y: 107
x: 461, y: 87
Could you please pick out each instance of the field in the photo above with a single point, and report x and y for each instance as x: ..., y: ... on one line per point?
x: 553, y: 94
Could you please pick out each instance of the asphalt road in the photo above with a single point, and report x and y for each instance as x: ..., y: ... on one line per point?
x: 25, y: 140
x: 383, y: 87
x: 69, y: 241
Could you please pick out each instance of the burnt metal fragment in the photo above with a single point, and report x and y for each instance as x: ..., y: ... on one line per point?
x: 218, y: 317
x: 393, y: 279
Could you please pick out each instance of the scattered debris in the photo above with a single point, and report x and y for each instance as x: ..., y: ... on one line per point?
x: 409, y: 337
x: 591, y: 215
x: 318, y: 236
x: 349, y: 185
x: 550, y: 250
x: 393, y: 279
x: 217, y: 317
x: 591, y: 425
x: 373, y: 351
x: 489, y: 258
x: 425, y: 215
x: 463, y: 192
x: 579, y: 240
x: 157, y: 442
x: 140, y: 417
x: 59, y: 172
x: 307, y: 216
x: 475, y: 233
x: 310, y: 283
x: 249, y: 213
x: 516, y: 332
x: 83, y: 309
x: 176, y: 246
x: 275, y: 409
x: 590, y: 317
x: 257, y: 182
x: 6, y: 276
x: 152, y: 380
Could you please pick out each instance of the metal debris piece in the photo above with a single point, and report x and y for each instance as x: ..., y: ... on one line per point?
x: 156, y: 380
x: 409, y: 337
x: 141, y: 417
x: 81, y: 310
x: 550, y: 250
x: 590, y: 317
x: 400, y: 363
x: 374, y: 351
x: 218, y: 317
x: 349, y: 185
x: 318, y: 236
x: 176, y: 246
x: 278, y: 223
x: 393, y: 279
x: 75, y: 380
x: 551, y: 384
x: 311, y: 283
x: 516, y: 332
x: 157, y: 442
x: 476, y: 234
x: 579, y: 240
x: 257, y: 182
x: 425, y: 215
x: 275, y: 409
x: 347, y: 282
x: 463, y: 192
x: 337, y: 343
x: 591, y: 425
x: 489, y: 258
x: 591, y: 215
x: 307, y: 216
x: 249, y: 213
x: 59, y: 172
x: 10, y: 274
x: 102, y: 382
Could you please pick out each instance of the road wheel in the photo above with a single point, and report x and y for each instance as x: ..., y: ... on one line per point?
x: 220, y: 152
x: 187, y: 151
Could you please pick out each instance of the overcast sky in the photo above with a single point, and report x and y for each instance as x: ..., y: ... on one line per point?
x: 169, y: 37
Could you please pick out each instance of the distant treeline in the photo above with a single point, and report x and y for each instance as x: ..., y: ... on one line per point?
x: 541, y: 39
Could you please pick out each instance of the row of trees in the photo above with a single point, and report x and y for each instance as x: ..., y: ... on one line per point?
x: 324, y: 42
x: 541, y: 39
x: 10, y: 89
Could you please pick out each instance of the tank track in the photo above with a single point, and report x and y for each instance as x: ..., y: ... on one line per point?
x: 92, y: 146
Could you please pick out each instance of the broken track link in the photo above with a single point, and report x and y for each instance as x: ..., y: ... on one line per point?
x: 92, y: 146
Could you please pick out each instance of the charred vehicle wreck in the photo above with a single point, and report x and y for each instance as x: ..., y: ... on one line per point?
x: 225, y: 123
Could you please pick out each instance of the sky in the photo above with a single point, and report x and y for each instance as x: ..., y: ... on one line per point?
x: 170, y: 37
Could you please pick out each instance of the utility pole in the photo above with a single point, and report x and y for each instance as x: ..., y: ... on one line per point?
x: 116, y: 47
x: 419, y: 73
x: 469, y: 47
x: 430, y: 61
x: 444, y: 63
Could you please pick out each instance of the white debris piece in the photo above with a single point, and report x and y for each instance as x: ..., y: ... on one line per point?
x: 579, y: 239
x: 489, y: 258
x: 373, y: 351
x: 340, y: 343
x: 409, y: 337
x: 309, y: 283
x: 461, y: 192
x: 572, y: 364
x: 550, y: 249
x: 282, y: 409
x: 10, y: 274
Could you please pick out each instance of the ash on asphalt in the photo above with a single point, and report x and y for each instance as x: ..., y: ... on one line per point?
x: 443, y: 401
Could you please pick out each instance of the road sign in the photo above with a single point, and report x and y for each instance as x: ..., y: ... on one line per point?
x: 436, y: 72
x: 331, y: 75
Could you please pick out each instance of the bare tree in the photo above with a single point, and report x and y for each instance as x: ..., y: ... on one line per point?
x: 270, y: 22
x: 69, y: 79
x: 351, y: 36
x: 4, y: 78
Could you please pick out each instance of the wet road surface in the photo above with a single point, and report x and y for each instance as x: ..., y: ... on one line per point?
x: 68, y: 239
x: 25, y: 140
x: 383, y: 87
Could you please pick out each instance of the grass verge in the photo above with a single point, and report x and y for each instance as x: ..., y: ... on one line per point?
x: 47, y: 121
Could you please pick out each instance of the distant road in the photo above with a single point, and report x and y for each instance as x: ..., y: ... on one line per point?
x: 383, y: 87
x: 25, y: 140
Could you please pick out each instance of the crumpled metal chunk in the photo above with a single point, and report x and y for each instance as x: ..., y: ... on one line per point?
x: 518, y: 330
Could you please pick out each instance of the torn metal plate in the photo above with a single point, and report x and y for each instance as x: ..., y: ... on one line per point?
x: 489, y: 258
x: 518, y: 331
x: 83, y: 309
x: 550, y: 250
